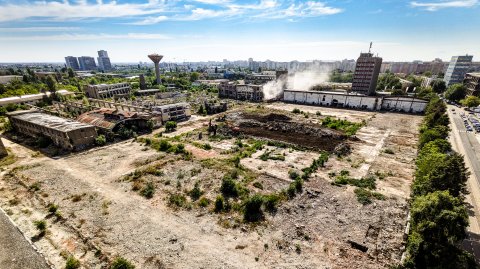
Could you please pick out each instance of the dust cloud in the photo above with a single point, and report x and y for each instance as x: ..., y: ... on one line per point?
x: 299, y: 80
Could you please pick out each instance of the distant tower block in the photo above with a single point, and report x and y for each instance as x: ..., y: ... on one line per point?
x: 156, y: 60
x: 3, y: 150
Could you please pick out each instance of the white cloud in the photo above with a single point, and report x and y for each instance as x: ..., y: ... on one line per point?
x: 72, y: 37
x: 434, y: 6
x: 37, y: 29
x: 301, y: 10
x: 79, y: 10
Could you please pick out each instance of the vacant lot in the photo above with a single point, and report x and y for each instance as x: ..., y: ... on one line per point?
x: 152, y: 201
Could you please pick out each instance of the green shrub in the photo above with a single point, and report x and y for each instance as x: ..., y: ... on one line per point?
x: 293, y: 174
x: 196, y: 192
x: 121, y: 263
x: 365, y: 196
x: 219, y: 204
x: 148, y: 190
x: 253, y: 209
x: 203, y: 202
x: 100, y: 140
x: 271, y: 201
x: 177, y: 200
x: 164, y: 145
x: 72, y: 263
x: 41, y: 225
x: 170, y: 126
x: 296, y: 111
x: 52, y: 208
x: 229, y: 187
x: 348, y: 127
x: 207, y: 146
x: 389, y: 151
x: 258, y: 185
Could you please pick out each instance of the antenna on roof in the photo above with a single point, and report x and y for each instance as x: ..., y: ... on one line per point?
x: 370, y: 49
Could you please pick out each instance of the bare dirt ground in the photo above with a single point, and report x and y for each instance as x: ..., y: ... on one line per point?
x: 103, y: 216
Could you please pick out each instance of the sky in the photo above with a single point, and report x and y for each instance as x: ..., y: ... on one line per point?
x: 202, y: 30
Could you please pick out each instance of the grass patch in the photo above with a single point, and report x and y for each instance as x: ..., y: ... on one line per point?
x: 365, y: 196
x: 349, y: 128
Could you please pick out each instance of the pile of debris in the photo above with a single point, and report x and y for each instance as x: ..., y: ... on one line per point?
x: 281, y: 128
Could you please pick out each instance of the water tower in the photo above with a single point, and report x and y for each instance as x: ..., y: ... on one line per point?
x: 156, y: 60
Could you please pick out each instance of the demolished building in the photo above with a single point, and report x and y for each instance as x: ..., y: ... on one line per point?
x: 241, y: 91
x: 111, y: 121
x: 172, y: 112
x: 65, y: 133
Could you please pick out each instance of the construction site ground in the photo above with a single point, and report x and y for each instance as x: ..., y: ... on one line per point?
x: 104, y: 216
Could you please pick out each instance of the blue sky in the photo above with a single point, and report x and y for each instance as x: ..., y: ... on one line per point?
x: 281, y: 30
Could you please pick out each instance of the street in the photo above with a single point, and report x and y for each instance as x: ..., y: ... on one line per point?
x: 466, y: 143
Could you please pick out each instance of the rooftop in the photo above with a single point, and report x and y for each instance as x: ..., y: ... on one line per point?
x: 49, y: 121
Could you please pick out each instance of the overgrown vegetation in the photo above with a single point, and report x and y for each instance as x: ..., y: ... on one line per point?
x: 350, y: 128
x: 72, y: 263
x: 438, y: 215
x: 121, y: 263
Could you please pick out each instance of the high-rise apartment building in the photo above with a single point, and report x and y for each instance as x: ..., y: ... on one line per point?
x: 72, y: 62
x: 366, y: 74
x: 103, y: 60
x: 458, y: 67
x: 87, y: 63
x: 472, y: 82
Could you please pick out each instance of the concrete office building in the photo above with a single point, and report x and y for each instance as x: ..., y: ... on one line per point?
x: 103, y: 60
x: 87, y: 63
x: 72, y: 62
x: 458, y: 67
x: 102, y: 91
x: 65, y: 133
x: 472, y: 82
x: 366, y: 74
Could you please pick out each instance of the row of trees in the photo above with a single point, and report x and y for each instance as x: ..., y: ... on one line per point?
x: 438, y: 214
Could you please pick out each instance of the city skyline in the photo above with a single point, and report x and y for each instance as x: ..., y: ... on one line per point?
x: 203, y: 30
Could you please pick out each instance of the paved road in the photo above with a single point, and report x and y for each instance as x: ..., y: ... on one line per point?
x: 15, y: 251
x: 467, y: 144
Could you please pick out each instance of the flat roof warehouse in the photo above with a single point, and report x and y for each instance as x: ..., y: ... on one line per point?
x: 49, y: 121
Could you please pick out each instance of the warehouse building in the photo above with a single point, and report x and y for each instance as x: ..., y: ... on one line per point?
x: 102, y: 91
x: 65, y: 133
x: 356, y: 101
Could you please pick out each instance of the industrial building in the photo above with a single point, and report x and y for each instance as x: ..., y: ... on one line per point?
x: 65, y: 133
x: 472, y: 82
x: 172, y: 112
x: 244, y: 92
x: 103, y: 60
x: 87, y: 63
x: 366, y: 74
x: 458, y: 67
x: 72, y: 62
x: 356, y: 101
x: 101, y: 91
x: 111, y: 120
x: 8, y: 79
x: 30, y: 99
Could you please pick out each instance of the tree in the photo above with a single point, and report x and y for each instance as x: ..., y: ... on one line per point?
x: 51, y: 84
x: 253, y: 209
x: 71, y: 74
x: 389, y: 81
x: 456, y: 92
x: 438, y: 171
x: 438, y: 223
x: 471, y: 101
x: 194, y: 76
x: 439, y: 86
x: 431, y: 134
